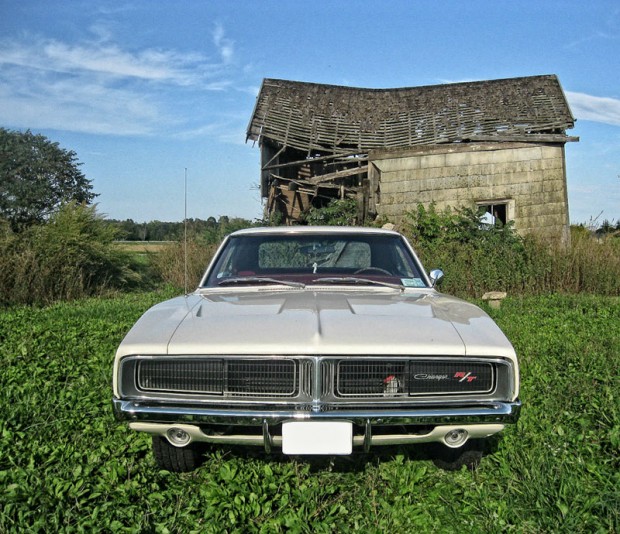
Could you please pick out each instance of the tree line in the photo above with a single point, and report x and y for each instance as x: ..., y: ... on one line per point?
x: 210, y: 230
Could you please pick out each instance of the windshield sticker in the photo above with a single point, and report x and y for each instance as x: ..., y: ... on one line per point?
x: 412, y: 282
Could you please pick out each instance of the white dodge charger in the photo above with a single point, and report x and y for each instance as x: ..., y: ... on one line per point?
x: 316, y: 341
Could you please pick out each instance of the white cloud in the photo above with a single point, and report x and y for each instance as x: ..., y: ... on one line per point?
x: 97, y: 86
x: 594, y: 108
x: 225, y: 46
x: 83, y: 107
x: 107, y: 59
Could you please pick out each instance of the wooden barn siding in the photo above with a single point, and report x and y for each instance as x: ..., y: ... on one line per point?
x: 532, y: 176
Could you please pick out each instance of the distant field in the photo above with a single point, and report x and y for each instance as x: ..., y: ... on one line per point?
x: 67, y: 466
x: 143, y: 246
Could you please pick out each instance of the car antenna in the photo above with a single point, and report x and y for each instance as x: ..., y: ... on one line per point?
x: 185, y: 234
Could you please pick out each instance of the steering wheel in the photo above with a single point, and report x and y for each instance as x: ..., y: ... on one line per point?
x: 373, y: 270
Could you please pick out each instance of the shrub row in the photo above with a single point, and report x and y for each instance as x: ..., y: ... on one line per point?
x: 70, y: 256
x: 73, y: 255
x: 182, y: 267
x: 479, y: 258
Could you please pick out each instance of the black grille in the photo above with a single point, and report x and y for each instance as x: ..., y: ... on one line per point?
x: 450, y: 377
x: 191, y: 376
x: 262, y: 378
x: 243, y: 377
x: 374, y: 378
x: 254, y: 378
x: 371, y: 378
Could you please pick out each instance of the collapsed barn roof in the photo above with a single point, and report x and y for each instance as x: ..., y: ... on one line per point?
x: 334, y: 119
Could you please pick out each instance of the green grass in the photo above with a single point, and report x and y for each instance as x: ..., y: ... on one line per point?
x: 67, y: 465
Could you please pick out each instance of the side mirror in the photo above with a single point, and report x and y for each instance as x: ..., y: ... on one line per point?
x: 436, y: 276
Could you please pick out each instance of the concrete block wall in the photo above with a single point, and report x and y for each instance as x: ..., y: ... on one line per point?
x: 530, y: 178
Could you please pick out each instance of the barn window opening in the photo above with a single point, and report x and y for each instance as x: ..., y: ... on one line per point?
x: 493, y: 213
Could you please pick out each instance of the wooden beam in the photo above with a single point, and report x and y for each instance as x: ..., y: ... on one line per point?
x: 268, y: 167
x: 337, y: 175
x: 307, y: 187
x: 524, y: 138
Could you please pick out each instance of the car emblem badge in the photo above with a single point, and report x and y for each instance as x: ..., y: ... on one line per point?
x: 391, y: 385
x: 465, y: 376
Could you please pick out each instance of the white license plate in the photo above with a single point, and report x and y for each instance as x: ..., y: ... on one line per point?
x: 317, y: 437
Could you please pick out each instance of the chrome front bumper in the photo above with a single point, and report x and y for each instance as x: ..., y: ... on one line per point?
x: 424, y: 425
x: 488, y: 413
x: 435, y: 424
x: 494, y: 412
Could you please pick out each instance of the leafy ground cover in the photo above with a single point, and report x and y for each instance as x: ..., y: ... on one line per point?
x: 66, y: 465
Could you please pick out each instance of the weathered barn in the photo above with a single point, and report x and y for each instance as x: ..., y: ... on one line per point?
x: 495, y: 144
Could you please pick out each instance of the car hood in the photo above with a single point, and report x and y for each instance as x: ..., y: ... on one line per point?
x: 314, y: 322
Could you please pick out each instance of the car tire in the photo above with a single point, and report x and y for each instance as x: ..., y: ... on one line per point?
x: 469, y: 455
x: 176, y: 459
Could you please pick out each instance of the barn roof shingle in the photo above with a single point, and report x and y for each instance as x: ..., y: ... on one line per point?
x: 336, y: 119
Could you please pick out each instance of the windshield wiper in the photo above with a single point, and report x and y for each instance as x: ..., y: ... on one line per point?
x: 356, y: 280
x: 259, y: 280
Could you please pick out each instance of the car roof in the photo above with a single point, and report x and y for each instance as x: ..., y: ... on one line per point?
x: 313, y: 230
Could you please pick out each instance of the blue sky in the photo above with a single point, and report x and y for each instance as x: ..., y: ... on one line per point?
x: 143, y: 89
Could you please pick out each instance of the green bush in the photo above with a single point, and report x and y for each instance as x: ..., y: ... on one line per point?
x: 479, y: 258
x: 588, y: 265
x: 70, y: 256
x: 339, y: 212
x: 170, y: 263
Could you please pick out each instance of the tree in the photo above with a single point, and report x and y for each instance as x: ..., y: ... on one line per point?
x: 37, y: 176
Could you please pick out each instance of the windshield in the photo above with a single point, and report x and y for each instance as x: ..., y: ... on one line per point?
x: 319, y: 259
